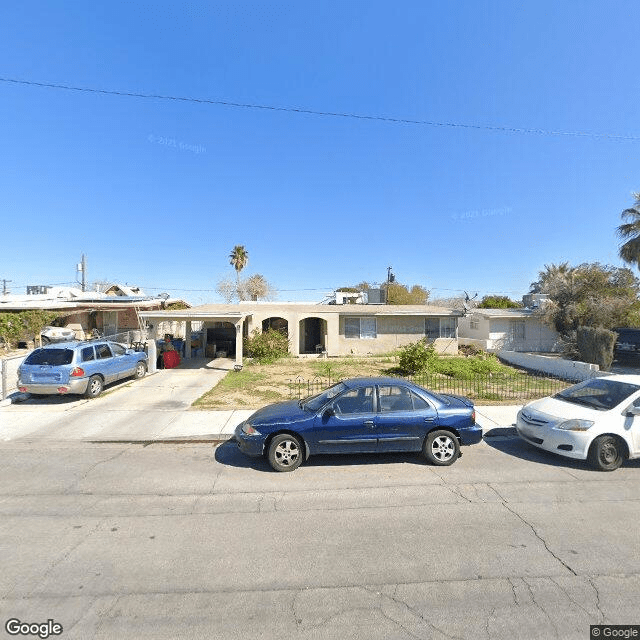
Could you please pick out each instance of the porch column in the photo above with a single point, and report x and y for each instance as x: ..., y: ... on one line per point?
x: 294, y: 333
x: 239, y: 342
x: 187, y: 341
x: 333, y: 334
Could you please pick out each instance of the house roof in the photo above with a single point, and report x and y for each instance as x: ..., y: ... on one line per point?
x: 236, y: 312
x: 503, y: 313
x: 246, y: 309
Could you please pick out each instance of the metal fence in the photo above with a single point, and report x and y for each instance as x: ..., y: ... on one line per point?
x: 518, y: 387
x: 9, y: 374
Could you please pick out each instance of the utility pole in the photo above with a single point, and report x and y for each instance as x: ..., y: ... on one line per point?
x: 4, y: 286
x: 82, y: 266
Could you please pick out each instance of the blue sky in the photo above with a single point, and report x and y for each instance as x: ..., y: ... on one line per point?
x: 157, y: 192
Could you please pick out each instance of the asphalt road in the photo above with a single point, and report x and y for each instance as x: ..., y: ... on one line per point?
x: 196, y: 541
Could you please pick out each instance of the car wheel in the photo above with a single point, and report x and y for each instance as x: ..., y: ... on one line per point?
x: 94, y: 388
x: 285, y: 452
x: 141, y: 369
x: 606, y: 453
x: 441, y: 448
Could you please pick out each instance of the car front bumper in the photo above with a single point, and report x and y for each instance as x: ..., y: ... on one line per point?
x: 572, y: 444
x: 249, y: 445
x: 77, y: 385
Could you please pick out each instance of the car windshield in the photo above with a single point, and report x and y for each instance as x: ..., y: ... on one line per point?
x: 601, y: 394
x: 50, y: 356
x: 313, y: 403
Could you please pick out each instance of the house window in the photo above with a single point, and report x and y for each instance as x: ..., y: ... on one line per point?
x: 362, y: 328
x: 517, y: 330
x: 440, y: 328
x: 474, y: 325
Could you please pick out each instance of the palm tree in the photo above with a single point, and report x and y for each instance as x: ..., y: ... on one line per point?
x: 238, y: 259
x: 630, y: 231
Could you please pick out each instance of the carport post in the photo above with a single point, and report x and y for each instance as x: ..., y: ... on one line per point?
x: 239, y: 342
x: 152, y: 354
x: 187, y: 340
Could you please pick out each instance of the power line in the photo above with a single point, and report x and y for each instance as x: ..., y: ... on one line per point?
x: 333, y: 114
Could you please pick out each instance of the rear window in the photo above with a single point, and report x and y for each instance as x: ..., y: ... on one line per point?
x: 53, y: 357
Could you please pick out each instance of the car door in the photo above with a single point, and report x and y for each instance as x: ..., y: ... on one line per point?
x: 631, y: 426
x: 105, y: 362
x: 403, y: 418
x: 347, y: 424
x: 124, y: 364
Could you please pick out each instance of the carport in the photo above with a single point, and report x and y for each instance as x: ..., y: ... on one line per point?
x: 208, y: 319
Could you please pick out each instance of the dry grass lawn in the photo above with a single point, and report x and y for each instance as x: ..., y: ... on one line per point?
x: 257, y: 385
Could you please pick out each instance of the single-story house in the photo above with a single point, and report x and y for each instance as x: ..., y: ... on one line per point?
x: 334, y: 330
x: 508, y: 329
x: 113, y: 313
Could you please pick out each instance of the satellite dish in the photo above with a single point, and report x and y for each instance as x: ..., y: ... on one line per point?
x: 164, y: 295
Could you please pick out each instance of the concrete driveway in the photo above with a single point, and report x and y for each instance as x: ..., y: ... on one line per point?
x: 153, y: 408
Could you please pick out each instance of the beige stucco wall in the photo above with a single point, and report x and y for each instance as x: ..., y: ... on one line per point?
x: 392, y: 332
x: 395, y: 327
x: 494, y: 334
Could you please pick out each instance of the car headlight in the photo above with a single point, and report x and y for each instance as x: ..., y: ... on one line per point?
x: 248, y: 430
x: 575, y: 425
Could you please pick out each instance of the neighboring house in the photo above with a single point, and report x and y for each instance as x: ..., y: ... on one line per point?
x: 334, y: 330
x: 83, y: 311
x: 508, y: 329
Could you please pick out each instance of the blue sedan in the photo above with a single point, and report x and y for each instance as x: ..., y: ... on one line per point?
x: 361, y: 415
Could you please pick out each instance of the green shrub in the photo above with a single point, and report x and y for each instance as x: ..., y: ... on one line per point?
x: 416, y: 357
x: 24, y: 325
x: 596, y: 345
x: 266, y: 347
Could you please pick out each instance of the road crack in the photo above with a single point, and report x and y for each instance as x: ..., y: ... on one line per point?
x: 539, y: 537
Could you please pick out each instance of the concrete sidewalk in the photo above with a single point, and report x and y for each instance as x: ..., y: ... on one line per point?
x: 162, y: 410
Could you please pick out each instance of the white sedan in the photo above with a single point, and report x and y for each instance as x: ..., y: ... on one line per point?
x: 596, y: 420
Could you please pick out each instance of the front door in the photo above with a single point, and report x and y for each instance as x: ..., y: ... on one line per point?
x: 349, y: 425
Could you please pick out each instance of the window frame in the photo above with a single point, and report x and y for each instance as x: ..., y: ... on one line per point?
x: 448, y: 329
x: 370, y: 333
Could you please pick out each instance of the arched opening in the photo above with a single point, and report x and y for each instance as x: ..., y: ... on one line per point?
x: 277, y: 324
x: 313, y: 332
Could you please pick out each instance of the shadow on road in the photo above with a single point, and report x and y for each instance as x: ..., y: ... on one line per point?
x: 507, y: 441
x: 229, y: 454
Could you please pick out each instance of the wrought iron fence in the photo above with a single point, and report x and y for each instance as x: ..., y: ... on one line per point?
x: 497, y: 387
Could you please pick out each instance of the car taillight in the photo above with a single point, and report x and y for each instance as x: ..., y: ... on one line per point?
x: 77, y: 372
x: 473, y: 417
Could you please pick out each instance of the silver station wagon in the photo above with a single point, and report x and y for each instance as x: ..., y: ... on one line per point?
x: 79, y: 368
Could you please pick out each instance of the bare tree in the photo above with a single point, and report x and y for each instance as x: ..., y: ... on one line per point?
x: 256, y: 287
x: 227, y: 289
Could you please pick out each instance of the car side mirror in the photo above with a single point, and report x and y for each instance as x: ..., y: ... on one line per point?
x: 328, y: 412
x: 633, y: 411
x: 130, y: 351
